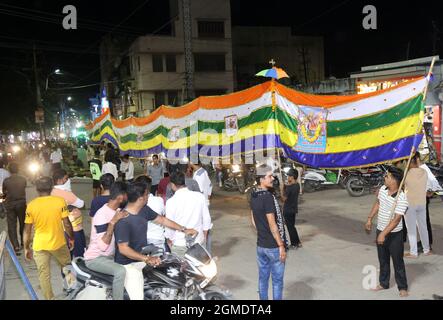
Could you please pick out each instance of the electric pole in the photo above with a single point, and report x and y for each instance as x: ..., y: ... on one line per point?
x: 39, y: 106
x: 189, y: 59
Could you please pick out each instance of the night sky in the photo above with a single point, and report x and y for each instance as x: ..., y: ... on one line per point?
x: 347, y: 45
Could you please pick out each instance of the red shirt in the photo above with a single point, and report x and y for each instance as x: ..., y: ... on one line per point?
x: 161, y: 191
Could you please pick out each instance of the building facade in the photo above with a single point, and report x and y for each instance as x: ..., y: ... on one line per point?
x: 302, y: 57
x: 154, y: 65
x: 140, y: 74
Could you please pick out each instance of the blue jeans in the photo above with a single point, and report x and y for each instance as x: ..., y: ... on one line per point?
x: 269, y: 263
x: 208, y: 244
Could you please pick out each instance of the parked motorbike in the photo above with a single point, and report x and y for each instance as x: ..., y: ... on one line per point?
x: 365, y: 180
x: 315, y: 179
x: 234, y: 179
x: 176, y: 278
x: 437, y: 171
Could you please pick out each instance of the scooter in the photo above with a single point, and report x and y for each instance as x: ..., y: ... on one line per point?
x: 315, y: 179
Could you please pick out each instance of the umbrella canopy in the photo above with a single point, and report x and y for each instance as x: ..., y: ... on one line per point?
x: 274, y: 72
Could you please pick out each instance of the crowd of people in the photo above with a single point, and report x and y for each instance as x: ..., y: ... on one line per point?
x: 168, y: 202
x: 127, y: 213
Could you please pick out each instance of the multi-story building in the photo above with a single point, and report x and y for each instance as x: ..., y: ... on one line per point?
x: 154, y: 65
x: 143, y: 73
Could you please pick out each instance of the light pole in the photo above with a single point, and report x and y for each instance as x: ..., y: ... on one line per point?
x: 56, y: 71
x: 38, y: 96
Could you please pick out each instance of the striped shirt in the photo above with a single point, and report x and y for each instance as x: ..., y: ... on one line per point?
x: 384, y: 211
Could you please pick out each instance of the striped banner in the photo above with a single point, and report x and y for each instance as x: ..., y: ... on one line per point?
x: 318, y: 131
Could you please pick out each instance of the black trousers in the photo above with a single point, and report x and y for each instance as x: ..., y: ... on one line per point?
x: 393, y: 247
x: 16, y: 210
x: 428, y: 220
x: 290, y: 223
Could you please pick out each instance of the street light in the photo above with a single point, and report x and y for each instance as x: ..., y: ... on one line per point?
x: 56, y: 71
x: 69, y: 98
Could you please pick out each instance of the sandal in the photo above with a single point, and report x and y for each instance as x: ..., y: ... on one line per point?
x: 378, y: 288
x: 403, y: 293
x: 408, y: 255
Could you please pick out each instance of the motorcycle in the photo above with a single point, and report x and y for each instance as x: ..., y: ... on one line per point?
x: 437, y: 171
x: 234, y: 180
x: 176, y: 278
x: 365, y: 180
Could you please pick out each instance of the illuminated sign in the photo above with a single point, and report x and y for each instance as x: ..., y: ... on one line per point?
x: 376, y: 85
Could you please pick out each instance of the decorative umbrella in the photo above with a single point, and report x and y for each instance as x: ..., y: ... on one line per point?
x: 274, y: 72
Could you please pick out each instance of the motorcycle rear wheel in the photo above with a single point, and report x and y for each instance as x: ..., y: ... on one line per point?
x: 355, y: 187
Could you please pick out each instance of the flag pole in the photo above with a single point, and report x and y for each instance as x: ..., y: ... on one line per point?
x: 277, y: 150
x: 428, y: 78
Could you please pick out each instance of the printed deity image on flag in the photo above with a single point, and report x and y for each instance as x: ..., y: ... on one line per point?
x: 311, y: 130
x: 231, y: 125
x: 174, y: 134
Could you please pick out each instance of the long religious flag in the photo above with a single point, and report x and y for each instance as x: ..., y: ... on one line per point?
x: 315, y: 130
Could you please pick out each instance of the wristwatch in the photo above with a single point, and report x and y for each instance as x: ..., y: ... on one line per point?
x: 183, y: 229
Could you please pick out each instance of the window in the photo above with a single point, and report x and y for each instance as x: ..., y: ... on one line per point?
x: 170, y: 63
x: 159, y: 97
x: 172, y: 98
x: 211, y: 29
x: 209, y: 62
x: 157, y: 63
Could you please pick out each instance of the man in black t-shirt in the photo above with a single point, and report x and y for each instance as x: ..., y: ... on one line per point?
x: 271, y: 246
x: 106, y: 181
x: 290, y: 208
x: 131, y: 236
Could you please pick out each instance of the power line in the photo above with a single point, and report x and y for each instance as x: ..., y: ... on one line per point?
x: 44, y: 42
x: 58, y: 22
x: 62, y: 16
x: 322, y: 14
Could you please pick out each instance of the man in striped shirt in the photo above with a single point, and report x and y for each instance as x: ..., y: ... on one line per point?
x: 390, y: 230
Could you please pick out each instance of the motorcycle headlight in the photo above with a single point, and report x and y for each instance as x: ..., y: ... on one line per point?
x: 209, y: 271
x: 34, y: 167
x: 235, y: 168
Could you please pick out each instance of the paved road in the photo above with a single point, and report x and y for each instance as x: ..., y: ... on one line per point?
x: 329, y: 266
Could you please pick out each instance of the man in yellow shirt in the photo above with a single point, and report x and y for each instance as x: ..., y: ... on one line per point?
x: 49, y: 216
